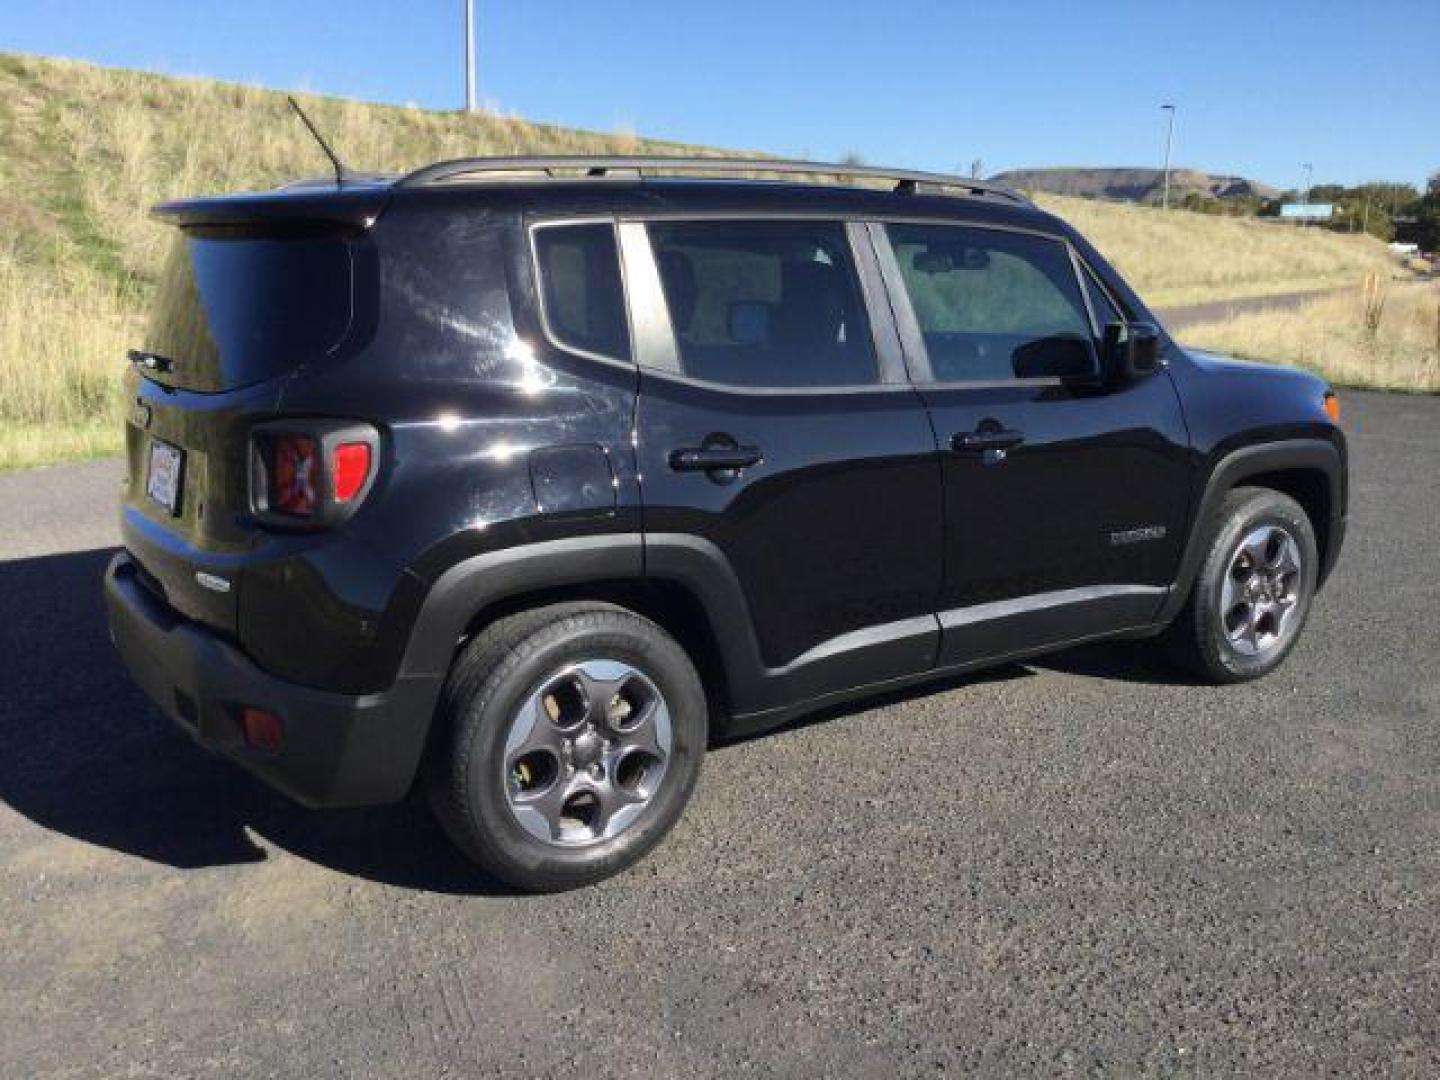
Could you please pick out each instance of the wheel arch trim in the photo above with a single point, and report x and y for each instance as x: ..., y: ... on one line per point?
x: 469, y: 586
x: 1317, y: 456
x: 687, y: 562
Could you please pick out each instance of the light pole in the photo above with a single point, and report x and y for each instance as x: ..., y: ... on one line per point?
x: 1309, y: 172
x: 470, y: 55
x: 1169, y: 141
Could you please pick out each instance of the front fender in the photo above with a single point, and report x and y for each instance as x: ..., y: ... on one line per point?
x: 1319, y: 456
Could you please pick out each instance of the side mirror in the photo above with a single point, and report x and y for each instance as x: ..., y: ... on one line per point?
x: 1132, y: 350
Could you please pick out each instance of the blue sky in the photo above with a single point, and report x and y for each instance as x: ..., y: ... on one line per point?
x: 1261, y: 86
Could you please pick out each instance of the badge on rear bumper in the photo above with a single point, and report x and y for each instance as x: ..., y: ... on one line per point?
x: 212, y: 582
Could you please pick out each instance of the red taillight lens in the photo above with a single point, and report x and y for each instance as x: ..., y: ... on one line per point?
x: 263, y: 730
x: 296, y: 462
x: 311, y: 474
x: 350, y: 468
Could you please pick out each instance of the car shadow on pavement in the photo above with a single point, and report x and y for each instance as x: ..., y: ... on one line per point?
x: 1122, y: 661
x: 83, y: 752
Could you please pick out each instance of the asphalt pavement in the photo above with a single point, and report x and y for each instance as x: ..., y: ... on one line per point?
x: 1084, y: 864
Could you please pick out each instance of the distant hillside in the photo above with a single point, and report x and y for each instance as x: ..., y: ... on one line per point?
x: 1134, y: 185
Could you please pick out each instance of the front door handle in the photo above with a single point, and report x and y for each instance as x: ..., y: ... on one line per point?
x: 986, y: 439
x: 711, y: 458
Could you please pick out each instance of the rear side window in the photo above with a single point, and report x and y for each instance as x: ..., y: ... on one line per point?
x: 580, y: 288
x: 238, y: 310
x: 765, y: 303
x: 994, y: 305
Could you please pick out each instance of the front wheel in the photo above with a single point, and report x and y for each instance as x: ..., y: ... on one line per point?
x: 571, y: 740
x: 1253, y: 591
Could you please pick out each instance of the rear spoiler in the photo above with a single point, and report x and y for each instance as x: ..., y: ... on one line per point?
x: 288, y: 211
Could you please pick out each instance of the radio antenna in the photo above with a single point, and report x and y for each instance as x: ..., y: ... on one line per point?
x: 341, y: 173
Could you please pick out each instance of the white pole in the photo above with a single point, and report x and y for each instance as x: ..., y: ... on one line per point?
x: 1169, y: 141
x: 470, y: 56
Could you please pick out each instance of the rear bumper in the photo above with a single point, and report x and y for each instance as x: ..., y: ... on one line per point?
x: 339, y: 749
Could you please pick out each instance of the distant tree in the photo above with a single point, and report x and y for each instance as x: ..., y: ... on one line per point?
x: 852, y: 158
x: 1426, y: 211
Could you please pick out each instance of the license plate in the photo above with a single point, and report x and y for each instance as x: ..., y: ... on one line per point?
x: 163, y: 483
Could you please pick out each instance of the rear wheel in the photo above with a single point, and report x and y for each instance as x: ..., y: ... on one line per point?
x: 1252, y: 594
x: 571, y: 741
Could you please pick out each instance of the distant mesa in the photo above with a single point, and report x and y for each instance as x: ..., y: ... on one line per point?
x: 1134, y: 185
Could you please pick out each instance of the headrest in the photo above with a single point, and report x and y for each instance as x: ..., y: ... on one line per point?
x: 812, y: 304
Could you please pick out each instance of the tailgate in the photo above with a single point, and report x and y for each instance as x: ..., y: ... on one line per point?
x: 240, y: 307
x: 186, y: 494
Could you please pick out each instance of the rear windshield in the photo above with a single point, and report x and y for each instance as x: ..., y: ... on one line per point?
x: 235, y: 311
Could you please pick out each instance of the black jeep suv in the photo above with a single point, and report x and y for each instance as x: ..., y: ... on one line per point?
x: 529, y: 477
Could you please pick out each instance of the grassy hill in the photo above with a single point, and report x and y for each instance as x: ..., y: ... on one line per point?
x: 85, y: 150
x: 1174, y: 257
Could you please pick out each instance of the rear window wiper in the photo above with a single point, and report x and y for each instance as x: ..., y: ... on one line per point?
x: 151, y: 361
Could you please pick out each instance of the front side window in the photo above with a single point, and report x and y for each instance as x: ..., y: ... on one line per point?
x: 580, y: 288
x: 764, y: 303
x: 994, y: 305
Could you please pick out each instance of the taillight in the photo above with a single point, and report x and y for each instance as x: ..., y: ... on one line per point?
x: 297, y: 463
x: 350, y: 467
x: 263, y: 730
x: 311, y: 473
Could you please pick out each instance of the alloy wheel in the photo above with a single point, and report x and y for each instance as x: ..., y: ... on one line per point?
x: 586, y: 753
x: 1261, y: 591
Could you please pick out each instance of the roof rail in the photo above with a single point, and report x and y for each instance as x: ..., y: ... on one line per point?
x: 906, y: 181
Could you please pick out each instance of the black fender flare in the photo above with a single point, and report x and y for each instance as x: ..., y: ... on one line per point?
x: 1318, y: 455
x: 469, y: 586
x: 691, y: 563
x: 701, y: 569
x: 457, y: 595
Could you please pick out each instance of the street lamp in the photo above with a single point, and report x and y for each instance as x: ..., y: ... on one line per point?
x: 470, y: 55
x: 1169, y: 141
x: 1309, y: 172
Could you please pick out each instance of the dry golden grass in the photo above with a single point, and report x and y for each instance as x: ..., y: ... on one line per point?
x: 1176, y: 257
x: 1332, y: 337
x: 63, y: 335
x: 84, y: 151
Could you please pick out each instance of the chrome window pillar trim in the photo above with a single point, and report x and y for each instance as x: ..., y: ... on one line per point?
x: 907, y: 325
x: 652, y: 336
x: 884, y: 336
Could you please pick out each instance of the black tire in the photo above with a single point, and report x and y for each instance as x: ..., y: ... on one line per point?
x: 1197, y: 640
x: 494, y: 674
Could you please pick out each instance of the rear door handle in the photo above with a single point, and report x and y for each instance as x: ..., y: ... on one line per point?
x: 974, y: 441
x: 708, y: 458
